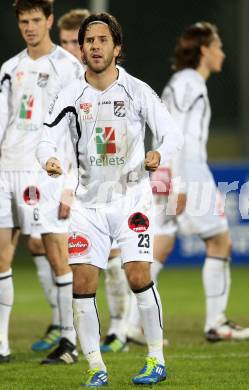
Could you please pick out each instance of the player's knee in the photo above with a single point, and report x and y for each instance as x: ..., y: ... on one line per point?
x: 138, y: 280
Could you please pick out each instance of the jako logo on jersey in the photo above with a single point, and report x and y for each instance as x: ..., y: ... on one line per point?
x: 31, y: 195
x: 105, y: 140
x: 27, y: 104
x: 78, y: 244
x: 138, y: 222
x: 119, y: 108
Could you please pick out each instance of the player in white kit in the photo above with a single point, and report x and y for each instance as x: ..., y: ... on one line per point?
x: 106, y: 115
x: 115, y: 280
x: 200, y: 209
x: 68, y: 25
x: 29, y: 200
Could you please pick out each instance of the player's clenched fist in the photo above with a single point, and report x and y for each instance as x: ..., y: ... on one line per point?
x: 152, y: 160
x: 53, y: 167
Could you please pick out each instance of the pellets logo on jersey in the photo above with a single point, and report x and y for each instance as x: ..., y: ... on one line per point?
x: 31, y: 195
x: 138, y: 222
x: 105, y: 140
x: 78, y: 245
x: 42, y: 79
x: 119, y: 108
x: 27, y: 104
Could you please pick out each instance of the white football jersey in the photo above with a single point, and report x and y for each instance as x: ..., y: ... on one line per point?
x: 107, y: 129
x: 187, y: 100
x: 27, y: 88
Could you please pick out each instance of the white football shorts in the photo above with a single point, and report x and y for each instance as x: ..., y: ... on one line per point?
x: 204, y: 214
x: 128, y: 221
x: 30, y: 201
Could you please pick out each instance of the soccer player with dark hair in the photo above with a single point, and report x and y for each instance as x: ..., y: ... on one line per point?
x: 29, y: 201
x: 106, y: 114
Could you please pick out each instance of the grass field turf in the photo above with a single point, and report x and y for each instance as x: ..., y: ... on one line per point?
x: 192, y: 363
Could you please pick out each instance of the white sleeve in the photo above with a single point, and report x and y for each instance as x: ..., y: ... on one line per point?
x: 162, y: 125
x: 54, y: 132
x: 186, y: 117
x: 5, y: 81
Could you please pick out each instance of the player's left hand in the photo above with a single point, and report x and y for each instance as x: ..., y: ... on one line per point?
x: 152, y: 161
x: 65, y: 204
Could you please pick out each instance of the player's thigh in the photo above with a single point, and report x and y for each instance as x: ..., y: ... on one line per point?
x: 6, y: 248
x: 163, y: 246
x: 56, y: 248
x: 35, y: 245
x: 8, y: 215
x: 219, y: 245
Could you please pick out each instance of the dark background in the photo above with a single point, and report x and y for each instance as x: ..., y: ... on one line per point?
x: 150, y: 31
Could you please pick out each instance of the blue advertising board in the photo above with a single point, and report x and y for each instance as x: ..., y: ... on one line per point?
x: 190, y: 250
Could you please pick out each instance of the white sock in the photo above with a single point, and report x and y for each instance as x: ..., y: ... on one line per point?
x: 216, y: 282
x: 150, y: 308
x: 133, y: 317
x: 156, y: 267
x: 65, y: 296
x: 6, y: 302
x: 50, y: 289
x: 86, y: 322
x: 117, y: 292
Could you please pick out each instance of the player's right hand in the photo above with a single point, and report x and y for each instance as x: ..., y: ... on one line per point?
x: 53, y: 167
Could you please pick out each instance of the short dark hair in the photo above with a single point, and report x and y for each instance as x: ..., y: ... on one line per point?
x: 114, y: 27
x: 188, y: 49
x: 46, y: 6
x: 73, y: 19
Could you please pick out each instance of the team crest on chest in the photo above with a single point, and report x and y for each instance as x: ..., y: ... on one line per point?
x: 19, y: 77
x: 86, y: 111
x: 42, y: 79
x: 119, y: 108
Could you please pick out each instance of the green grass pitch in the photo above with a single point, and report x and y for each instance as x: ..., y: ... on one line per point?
x: 192, y: 363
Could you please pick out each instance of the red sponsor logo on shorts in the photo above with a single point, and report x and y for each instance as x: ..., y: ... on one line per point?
x: 31, y: 195
x: 78, y: 245
x: 138, y: 222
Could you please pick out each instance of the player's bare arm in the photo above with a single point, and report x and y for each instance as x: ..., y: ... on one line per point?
x: 65, y: 204
x: 152, y: 160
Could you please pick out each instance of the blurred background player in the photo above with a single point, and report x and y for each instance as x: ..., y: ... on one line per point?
x: 28, y: 200
x: 68, y: 25
x: 198, y: 54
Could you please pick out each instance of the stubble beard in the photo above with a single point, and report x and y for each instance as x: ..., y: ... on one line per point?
x: 102, y: 69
